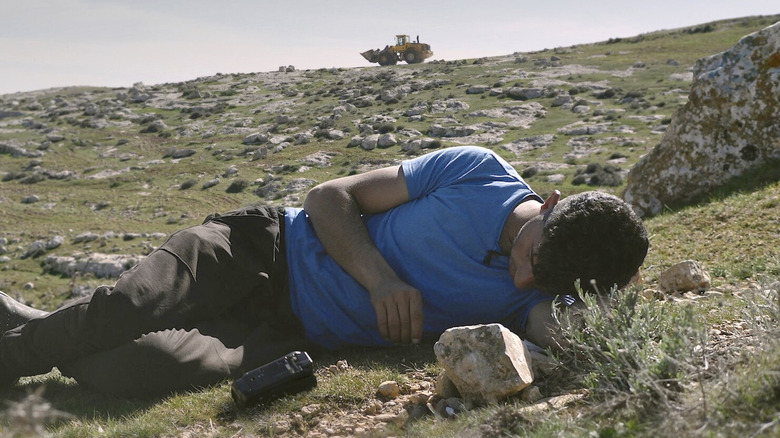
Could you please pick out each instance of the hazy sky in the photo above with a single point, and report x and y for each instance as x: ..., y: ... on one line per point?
x: 52, y: 43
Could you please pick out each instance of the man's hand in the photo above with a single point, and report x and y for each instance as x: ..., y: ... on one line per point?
x: 399, y: 312
x: 335, y: 209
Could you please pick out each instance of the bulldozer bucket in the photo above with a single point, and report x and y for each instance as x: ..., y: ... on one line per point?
x: 371, y: 55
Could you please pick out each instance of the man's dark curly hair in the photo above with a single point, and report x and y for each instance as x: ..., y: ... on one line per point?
x: 594, y: 237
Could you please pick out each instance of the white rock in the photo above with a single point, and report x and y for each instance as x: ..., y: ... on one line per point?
x: 389, y: 389
x: 685, y: 276
x: 485, y: 362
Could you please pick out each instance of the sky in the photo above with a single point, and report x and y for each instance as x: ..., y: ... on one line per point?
x: 117, y: 43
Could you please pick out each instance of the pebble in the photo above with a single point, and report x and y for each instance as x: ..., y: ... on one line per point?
x: 389, y: 389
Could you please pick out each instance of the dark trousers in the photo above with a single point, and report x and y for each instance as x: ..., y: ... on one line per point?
x: 211, y: 303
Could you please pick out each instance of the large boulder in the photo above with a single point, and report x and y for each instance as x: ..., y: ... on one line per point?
x: 485, y: 362
x: 728, y: 127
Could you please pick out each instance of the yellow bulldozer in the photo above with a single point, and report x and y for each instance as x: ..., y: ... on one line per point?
x: 404, y: 50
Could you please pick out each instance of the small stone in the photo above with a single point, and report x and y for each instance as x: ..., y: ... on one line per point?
x: 685, y: 276
x: 648, y: 294
x: 399, y: 418
x: 419, y: 398
x: 373, y: 408
x: 311, y: 410
x: 389, y: 389
x: 281, y: 426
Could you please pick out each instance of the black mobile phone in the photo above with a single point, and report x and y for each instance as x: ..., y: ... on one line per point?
x: 289, y: 374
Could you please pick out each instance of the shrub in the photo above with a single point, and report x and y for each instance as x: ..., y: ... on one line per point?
x: 635, y: 350
x: 579, y: 180
x: 237, y: 186
x: 385, y: 128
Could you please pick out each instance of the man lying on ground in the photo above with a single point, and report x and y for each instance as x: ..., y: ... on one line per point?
x: 391, y: 256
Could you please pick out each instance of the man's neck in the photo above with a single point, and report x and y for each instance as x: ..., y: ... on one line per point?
x: 522, y: 213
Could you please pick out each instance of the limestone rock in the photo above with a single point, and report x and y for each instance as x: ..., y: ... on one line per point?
x: 524, y: 93
x: 99, y: 265
x: 728, y: 127
x: 155, y: 126
x: 477, y: 89
x: 369, y: 143
x: 386, y: 140
x: 485, y: 362
x: 389, y: 389
x: 255, y: 138
x: 39, y: 247
x: 683, y: 277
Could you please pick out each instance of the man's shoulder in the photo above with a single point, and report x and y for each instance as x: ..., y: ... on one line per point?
x: 457, y: 159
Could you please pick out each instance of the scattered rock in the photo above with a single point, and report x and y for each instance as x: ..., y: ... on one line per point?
x: 156, y: 126
x: 685, y: 276
x: 386, y: 140
x: 183, y: 153
x: 311, y: 410
x: 582, y: 128
x: 477, y: 89
x: 256, y: 138
x: 210, y: 183
x: 437, y: 130
x: 524, y: 93
x: 370, y: 142
x: 97, y: 264
x: 550, y: 403
x: 339, y: 367
x: 389, y: 389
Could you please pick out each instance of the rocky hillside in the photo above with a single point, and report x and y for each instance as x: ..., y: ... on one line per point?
x: 97, y: 177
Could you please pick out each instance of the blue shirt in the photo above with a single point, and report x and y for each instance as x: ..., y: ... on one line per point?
x: 438, y: 242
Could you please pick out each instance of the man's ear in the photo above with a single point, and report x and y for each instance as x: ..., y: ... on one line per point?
x: 551, y: 201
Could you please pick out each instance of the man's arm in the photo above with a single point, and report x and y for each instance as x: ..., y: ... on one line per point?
x: 541, y: 327
x: 334, y: 208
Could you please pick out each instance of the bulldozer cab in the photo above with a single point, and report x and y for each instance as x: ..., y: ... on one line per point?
x: 401, y: 40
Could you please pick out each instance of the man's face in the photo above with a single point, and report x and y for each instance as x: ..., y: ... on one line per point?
x: 521, y: 258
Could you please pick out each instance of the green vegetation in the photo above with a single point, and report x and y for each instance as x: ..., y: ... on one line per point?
x: 642, y: 364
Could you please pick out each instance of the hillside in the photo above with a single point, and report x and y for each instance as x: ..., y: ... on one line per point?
x: 93, y: 170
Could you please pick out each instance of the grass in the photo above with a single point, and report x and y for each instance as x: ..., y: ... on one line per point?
x: 695, y: 365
